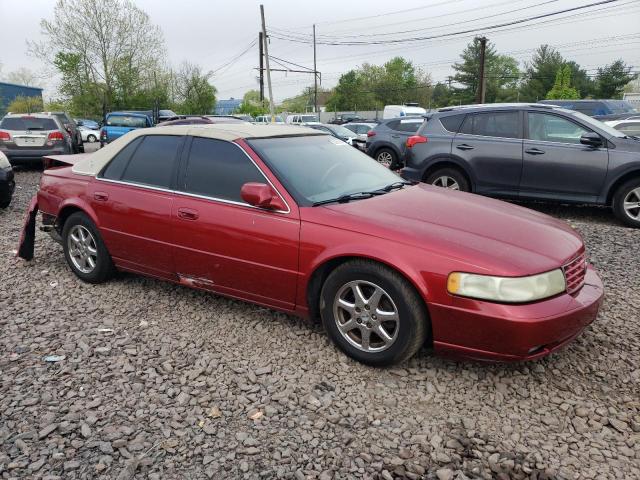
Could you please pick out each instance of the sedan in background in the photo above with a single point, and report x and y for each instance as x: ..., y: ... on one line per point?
x: 89, y: 134
x: 360, y: 129
x: 7, y: 183
x: 628, y: 127
x: 293, y: 219
x: 29, y: 137
x: 342, y: 133
x: 84, y: 122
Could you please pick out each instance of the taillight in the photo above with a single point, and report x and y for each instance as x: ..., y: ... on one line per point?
x: 371, y: 133
x: 103, y: 134
x: 415, y: 139
x: 4, y: 136
x: 55, y: 137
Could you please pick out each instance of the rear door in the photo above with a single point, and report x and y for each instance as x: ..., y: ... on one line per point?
x: 132, y: 198
x: 490, y: 143
x: 556, y: 164
x: 224, y: 244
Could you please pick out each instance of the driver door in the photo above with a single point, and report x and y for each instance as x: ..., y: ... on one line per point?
x: 223, y: 244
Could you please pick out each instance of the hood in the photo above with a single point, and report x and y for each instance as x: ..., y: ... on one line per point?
x: 489, y: 235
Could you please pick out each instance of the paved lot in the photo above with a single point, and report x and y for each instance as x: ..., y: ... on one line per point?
x: 159, y: 381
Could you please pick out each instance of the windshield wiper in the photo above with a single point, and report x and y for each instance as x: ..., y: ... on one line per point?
x: 348, y: 197
x: 395, y: 185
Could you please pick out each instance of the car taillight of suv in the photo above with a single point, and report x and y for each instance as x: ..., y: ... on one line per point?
x: 415, y: 139
x: 55, y: 137
x: 371, y: 133
x: 5, y: 136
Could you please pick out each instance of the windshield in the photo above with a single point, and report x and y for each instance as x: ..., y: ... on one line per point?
x: 317, y: 168
x: 28, y: 123
x: 592, y: 122
x: 126, y: 121
x: 341, y: 131
x: 620, y: 106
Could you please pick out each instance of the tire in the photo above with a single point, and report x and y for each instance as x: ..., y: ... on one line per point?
x: 4, y: 203
x: 387, y: 157
x: 342, y: 312
x: 91, y: 138
x: 449, y: 178
x: 628, y: 192
x: 78, y: 224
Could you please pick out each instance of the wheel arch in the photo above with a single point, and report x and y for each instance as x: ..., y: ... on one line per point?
x: 385, y: 144
x: 448, y: 162
x: 625, y: 177
x: 69, y: 209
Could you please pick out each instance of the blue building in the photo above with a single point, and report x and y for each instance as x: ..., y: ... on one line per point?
x: 9, y: 91
x: 227, y: 107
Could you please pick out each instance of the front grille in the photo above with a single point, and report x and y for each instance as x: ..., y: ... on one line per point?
x: 574, y: 273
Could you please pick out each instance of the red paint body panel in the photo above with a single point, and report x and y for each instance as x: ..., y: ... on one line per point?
x: 269, y: 257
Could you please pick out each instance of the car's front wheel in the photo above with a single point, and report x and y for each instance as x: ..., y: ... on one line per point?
x: 373, y: 313
x: 626, y: 202
x: 448, y: 178
x: 91, y: 138
x: 84, y: 249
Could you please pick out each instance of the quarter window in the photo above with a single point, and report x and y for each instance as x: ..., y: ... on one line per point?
x: 116, y: 166
x: 552, y: 128
x: 493, y: 124
x: 218, y: 169
x: 452, y: 122
x: 153, y: 163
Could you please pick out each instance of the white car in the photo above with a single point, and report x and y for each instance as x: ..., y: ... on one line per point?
x: 88, y: 134
x: 360, y: 128
x: 630, y: 126
x: 301, y: 119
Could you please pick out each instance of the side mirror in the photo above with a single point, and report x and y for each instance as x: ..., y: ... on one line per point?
x: 261, y: 195
x: 591, y: 139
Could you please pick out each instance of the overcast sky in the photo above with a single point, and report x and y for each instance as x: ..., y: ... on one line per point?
x: 212, y: 32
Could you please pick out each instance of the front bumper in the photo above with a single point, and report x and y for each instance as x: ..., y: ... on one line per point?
x: 491, y: 331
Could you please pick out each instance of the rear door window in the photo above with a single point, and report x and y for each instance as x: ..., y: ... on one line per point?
x: 493, y: 124
x: 218, y: 169
x: 154, y: 161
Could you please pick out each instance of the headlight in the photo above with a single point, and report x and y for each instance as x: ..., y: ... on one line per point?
x: 507, y: 289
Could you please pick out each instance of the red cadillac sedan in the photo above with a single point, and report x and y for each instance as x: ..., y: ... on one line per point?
x: 296, y: 220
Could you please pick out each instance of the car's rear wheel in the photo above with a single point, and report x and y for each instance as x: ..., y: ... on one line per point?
x: 91, y: 138
x: 84, y: 249
x: 386, y: 157
x: 626, y: 202
x: 373, y: 313
x: 448, y: 178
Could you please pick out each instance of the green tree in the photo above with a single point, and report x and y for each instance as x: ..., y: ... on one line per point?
x: 562, y: 89
x: 194, y: 92
x: 22, y: 104
x: 251, y: 104
x: 441, y: 96
x: 611, y: 80
x: 540, y: 74
x: 581, y: 80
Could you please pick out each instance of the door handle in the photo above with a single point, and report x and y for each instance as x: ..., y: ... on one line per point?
x: 534, y: 151
x: 464, y: 146
x: 395, y: 136
x: 101, y: 196
x: 188, y: 214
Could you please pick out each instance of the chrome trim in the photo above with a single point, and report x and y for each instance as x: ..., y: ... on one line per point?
x: 206, y: 197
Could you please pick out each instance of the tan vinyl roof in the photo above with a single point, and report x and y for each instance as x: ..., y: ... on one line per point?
x: 222, y: 131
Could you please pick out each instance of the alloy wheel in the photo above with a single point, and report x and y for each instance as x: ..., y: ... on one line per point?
x: 83, y: 249
x: 366, y: 316
x: 446, y: 181
x: 632, y: 204
x: 385, y: 158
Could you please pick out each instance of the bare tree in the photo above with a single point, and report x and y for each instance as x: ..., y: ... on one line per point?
x: 23, y: 76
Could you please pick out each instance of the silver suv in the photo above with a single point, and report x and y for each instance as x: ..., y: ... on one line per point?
x: 30, y: 136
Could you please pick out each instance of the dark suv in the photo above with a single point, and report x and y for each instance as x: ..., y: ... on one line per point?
x: 386, y: 141
x: 528, y: 151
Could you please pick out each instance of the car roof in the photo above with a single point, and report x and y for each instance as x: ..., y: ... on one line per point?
x: 35, y: 115
x: 496, y: 106
x: 96, y: 161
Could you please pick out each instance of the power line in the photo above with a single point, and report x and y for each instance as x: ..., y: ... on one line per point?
x: 236, y: 58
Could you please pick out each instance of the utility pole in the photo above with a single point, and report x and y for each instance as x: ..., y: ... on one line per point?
x: 315, y: 75
x: 266, y: 57
x: 481, y: 80
x: 261, y: 67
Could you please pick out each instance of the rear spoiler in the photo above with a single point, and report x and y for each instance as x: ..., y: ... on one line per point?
x: 62, y: 160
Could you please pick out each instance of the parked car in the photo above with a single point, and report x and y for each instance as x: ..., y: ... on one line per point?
x: 89, y: 134
x: 7, y: 183
x: 289, y: 218
x: 117, y: 124
x: 600, y: 109
x: 528, y: 151
x: 71, y: 127
x: 225, y: 119
x: 29, y: 137
x: 301, y: 119
x: 386, y: 141
x: 628, y: 127
x: 243, y: 116
x: 342, y: 133
x: 359, y: 128
x: 187, y: 120
x: 267, y: 119
x: 346, y: 118
x: 85, y: 122
x: 395, y: 111
x: 166, y: 115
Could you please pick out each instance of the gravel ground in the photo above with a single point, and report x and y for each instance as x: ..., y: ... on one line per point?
x: 159, y: 381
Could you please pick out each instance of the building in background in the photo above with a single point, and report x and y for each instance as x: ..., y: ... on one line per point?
x: 9, y: 91
x: 227, y: 107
